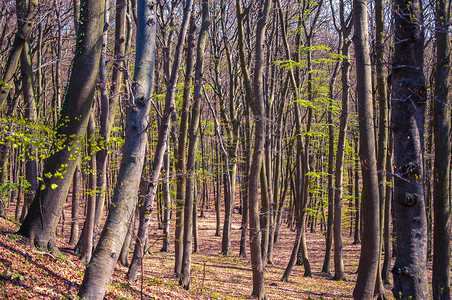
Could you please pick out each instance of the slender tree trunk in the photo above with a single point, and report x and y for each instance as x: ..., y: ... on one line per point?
x: 329, y: 225
x: 181, y: 168
x: 387, y: 218
x: 382, y: 130
x: 161, y: 147
x: 357, y: 225
x: 368, y: 261
x: 192, y: 149
x: 76, y: 182
x: 441, y: 182
x: 167, y: 202
x: 257, y: 103
x: 338, y: 176
x: 31, y: 165
x: 88, y: 238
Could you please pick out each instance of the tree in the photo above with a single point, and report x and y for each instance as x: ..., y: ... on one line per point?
x: 26, y: 13
x: 256, y: 101
x: 408, y: 108
x: 370, y: 253
x: 338, y: 175
x: 441, y: 182
x: 192, y: 149
x: 41, y: 222
x: 164, y: 130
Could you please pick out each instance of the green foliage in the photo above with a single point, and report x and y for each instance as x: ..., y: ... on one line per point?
x: 7, y: 186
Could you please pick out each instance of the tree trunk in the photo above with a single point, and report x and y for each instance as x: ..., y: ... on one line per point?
x: 329, y: 223
x: 121, y: 212
x: 76, y: 182
x: 181, y: 168
x: 160, y: 149
x: 441, y: 182
x: 31, y: 165
x: 339, y: 171
x: 26, y: 12
x: 408, y: 109
x: 257, y: 103
x: 193, y: 148
x: 42, y: 220
x: 167, y: 202
x: 88, y: 238
x: 382, y: 130
x: 370, y: 250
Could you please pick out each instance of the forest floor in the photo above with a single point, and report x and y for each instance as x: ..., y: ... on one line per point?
x: 27, y: 273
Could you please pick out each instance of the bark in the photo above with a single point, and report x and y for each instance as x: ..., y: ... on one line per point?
x: 441, y: 182
x: 42, y: 220
x: 265, y: 212
x: 329, y: 222
x: 231, y: 124
x: 76, y: 183
x: 31, y: 165
x: 167, y: 202
x: 246, y: 144
x: 121, y: 212
x: 88, y: 238
x: 357, y: 225
x: 164, y: 130
x: 26, y: 13
x: 382, y: 130
x: 257, y: 103
x: 387, y: 236
x: 107, y: 106
x: 181, y: 167
x: 339, y: 171
x: 408, y: 117
x: 189, y: 204
x: 368, y: 261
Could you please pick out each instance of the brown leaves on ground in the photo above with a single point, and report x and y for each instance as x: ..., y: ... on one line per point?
x: 27, y: 273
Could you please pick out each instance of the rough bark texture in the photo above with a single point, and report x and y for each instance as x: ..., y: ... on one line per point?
x: 408, y: 109
x: 368, y: 261
x: 40, y: 224
x: 121, y: 212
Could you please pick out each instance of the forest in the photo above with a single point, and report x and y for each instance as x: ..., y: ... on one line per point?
x: 290, y: 149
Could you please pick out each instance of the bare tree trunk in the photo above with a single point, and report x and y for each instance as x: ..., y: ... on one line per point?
x: 181, y: 168
x: 190, y: 204
x: 368, y: 261
x: 167, y: 202
x: 408, y: 117
x: 339, y: 171
x: 76, y: 182
x: 441, y: 182
x: 31, y: 165
x: 257, y: 103
x: 157, y: 163
x: 88, y: 238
